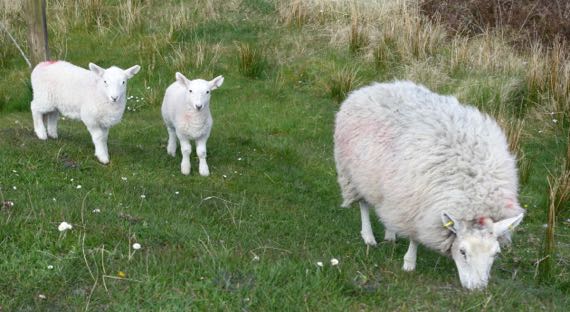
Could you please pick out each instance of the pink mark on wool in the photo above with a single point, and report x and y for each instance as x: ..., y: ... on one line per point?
x: 510, y: 204
x: 482, y: 221
x: 48, y: 63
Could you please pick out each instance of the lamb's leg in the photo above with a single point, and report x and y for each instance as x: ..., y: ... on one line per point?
x: 366, y: 231
x: 171, y: 147
x: 52, y: 124
x: 39, y: 127
x: 99, y: 136
x: 389, y: 235
x: 186, y: 150
x: 201, y: 151
x: 410, y: 257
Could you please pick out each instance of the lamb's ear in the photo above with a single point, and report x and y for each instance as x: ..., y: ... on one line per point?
x: 216, y: 82
x: 130, y: 72
x: 499, y: 228
x: 450, y: 223
x: 96, y: 69
x: 182, y: 79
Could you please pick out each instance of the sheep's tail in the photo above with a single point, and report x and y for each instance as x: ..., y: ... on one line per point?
x: 17, y: 46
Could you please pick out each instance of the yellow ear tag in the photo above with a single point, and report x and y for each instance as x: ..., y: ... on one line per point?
x: 448, y: 224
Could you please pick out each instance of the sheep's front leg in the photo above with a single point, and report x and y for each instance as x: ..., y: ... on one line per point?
x: 201, y: 151
x: 99, y: 137
x: 366, y: 231
x: 39, y: 127
x: 410, y: 257
x: 171, y: 147
x: 52, y: 124
x: 186, y: 150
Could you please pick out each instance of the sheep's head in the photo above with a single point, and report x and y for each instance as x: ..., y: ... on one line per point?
x: 476, y: 246
x: 198, y: 91
x: 113, y: 81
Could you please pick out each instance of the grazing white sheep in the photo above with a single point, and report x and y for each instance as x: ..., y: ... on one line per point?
x: 186, y: 114
x: 96, y: 96
x: 434, y: 171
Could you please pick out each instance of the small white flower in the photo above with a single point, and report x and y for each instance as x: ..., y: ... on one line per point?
x: 136, y: 246
x: 96, y: 210
x: 143, y: 196
x: 334, y: 261
x: 71, y: 179
x: 176, y: 192
x: 78, y: 186
x: 14, y: 187
x: 50, y: 267
x: 148, y: 88
x: 14, y: 171
x: 124, y: 178
x: 239, y: 158
x: 256, y: 258
x: 319, y: 263
x: 225, y: 176
x: 54, y: 199
x: 43, y: 297
x: 554, y: 120
x: 110, y: 194
x: 64, y: 226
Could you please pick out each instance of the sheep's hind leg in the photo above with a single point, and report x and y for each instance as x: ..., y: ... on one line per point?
x: 366, y: 231
x: 410, y: 257
x: 186, y: 150
x: 201, y: 151
x: 52, y: 124
x: 171, y: 147
x: 39, y: 126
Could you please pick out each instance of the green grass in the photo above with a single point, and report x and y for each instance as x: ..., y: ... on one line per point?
x: 249, y: 236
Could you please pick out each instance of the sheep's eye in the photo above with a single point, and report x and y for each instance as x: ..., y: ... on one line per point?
x: 190, y: 91
x: 105, y: 81
x: 208, y: 91
x: 123, y: 82
x: 462, y: 252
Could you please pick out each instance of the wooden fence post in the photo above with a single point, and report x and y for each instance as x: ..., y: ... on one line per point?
x: 37, y: 31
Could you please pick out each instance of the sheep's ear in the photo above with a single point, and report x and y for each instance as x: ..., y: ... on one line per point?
x: 216, y: 82
x: 182, y: 79
x: 499, y: 228
x: 450, y: 223
x: 130, y: 72
x: 96, y: 69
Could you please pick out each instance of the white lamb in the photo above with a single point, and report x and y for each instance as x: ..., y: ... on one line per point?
x: 435, y: 171
x: 186, y: 114
x: 96, y: 96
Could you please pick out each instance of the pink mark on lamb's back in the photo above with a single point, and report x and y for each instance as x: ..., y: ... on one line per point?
x: 48, y: 63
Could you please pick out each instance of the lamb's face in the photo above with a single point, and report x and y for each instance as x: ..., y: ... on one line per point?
x: 113, y: 81
x: 199, y: 91
x: 476, y: 246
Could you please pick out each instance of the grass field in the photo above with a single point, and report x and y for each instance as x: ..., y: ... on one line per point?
x: 250, y: 236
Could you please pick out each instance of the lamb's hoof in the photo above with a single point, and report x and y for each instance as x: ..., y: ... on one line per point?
x: 369, y: 239
x: 204, y: 171
x: 42, y: 136
x: 171, y: 152
x: 103, y: 159
x: 389, y: 236
x: 409, y: 267
x: 185, y: 170
x: 52, y: 135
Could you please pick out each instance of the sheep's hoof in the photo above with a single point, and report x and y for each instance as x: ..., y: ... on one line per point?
x: 102, y: 159
x: 204, y: 171
x: 389, y: 236
x: 368, y: 239
x: 185, y: 170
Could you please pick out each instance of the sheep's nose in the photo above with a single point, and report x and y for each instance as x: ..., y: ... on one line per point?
x: 114, y: 98
x: 198, y: 107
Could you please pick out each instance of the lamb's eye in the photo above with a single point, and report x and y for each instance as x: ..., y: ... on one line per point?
x: 105, y: 81
x: 208, y: 91
x: 462, y: 252
x: 123, y: 82
x: 190, y: 91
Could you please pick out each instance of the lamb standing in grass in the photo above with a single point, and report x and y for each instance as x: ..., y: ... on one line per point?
x: 434, y: 171
x: 186, y: 114
x: 96, y: 96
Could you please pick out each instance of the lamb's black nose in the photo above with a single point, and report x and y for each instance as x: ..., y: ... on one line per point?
x: 114, y: 98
